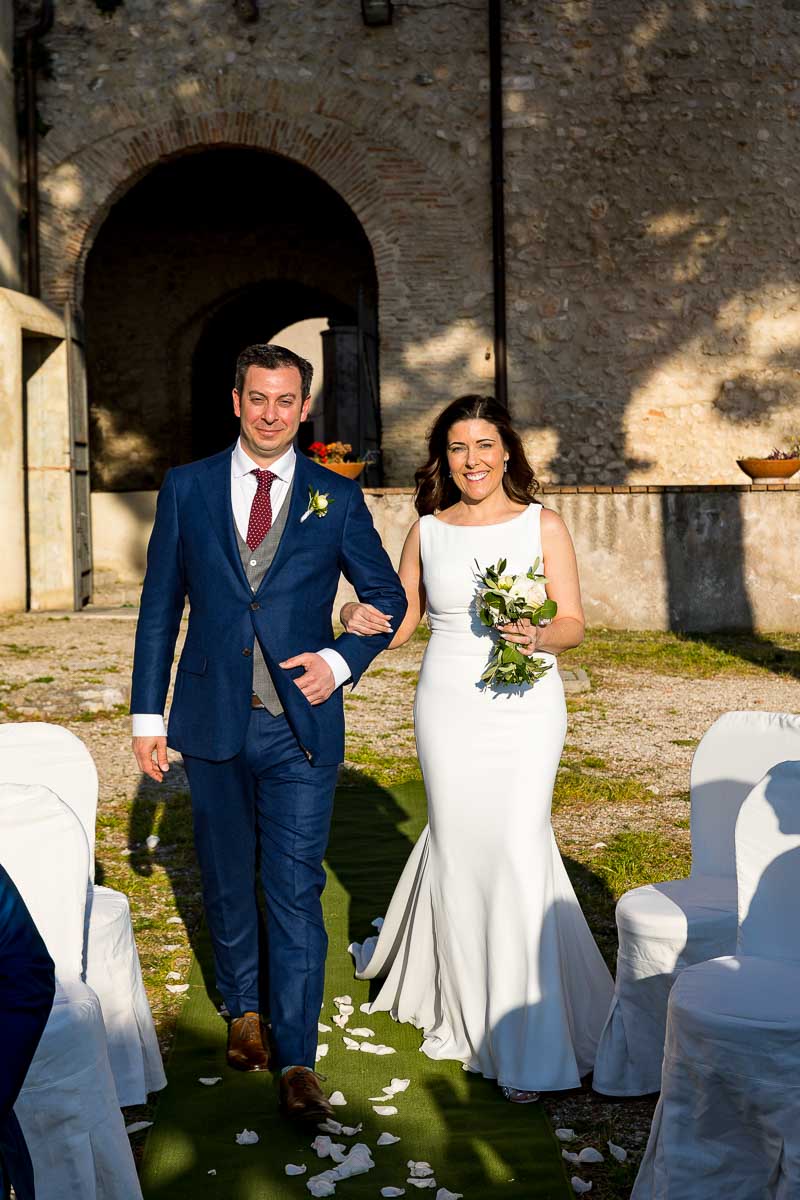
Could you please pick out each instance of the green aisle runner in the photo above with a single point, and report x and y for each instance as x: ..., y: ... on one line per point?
x: 477, y: 1143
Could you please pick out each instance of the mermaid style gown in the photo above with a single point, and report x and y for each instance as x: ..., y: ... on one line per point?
x: 484, y: 946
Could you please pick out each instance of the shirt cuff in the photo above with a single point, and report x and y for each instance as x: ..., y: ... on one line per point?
x: 341, y: 671
x: 148, y: 725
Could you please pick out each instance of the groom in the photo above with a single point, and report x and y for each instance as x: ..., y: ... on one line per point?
x: 256, y: 537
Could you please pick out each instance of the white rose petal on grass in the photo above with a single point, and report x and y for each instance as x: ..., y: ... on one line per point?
x: 351, y: 1043
x: 209, y: 1080
x: 373, y: 1048
x: 330, y: 1126
x: 443, y: 1194
x: 152, y: 841
x: 397, y: 1085
x: 362, y: 1031
x: 174, y: 921
x: 590, y: 1155
x: 339, y: 1000
x: 352, y: 1130
x: 173, y: 946
x: 211, y: 1172
x: 337, y: 1099
x: 617, y: 1152
x: 565, y: 1135
x: 246, y: 1138
x: 294, y: 1169
x: 126, y: 853
x: 325, y: 1148
x: 137, y: 1126
x: 570, y: 1156
x: 419, y: 1170
x: 422, y: 1183
x: 580, y: 1186
x: 173, y: 975
x: 387, y: 1139
x: 384, y: 1110
x: 341, y: 1019
x: 321, y: 1051
x: 320, y: 1185
x: 393, y: 1191
x: 357, y: 1162
x: 323, y: 1028
x: 177, y: 989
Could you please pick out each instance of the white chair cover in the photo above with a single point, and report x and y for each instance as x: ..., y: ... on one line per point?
x: 68, y: 1105
x: 664, y: 928
x: 37, y: 752
x: 728, y: 1119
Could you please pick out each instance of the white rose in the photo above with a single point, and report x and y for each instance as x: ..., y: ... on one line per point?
x: 506, y: 582
x: 536, y: 594
x: 322, y: 503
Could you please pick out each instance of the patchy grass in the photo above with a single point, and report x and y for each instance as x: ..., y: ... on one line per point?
x: 685, y: 741
x: 575, y: 787
x: 633, y: 857
x: 694, y: 656
x: 384, y: 769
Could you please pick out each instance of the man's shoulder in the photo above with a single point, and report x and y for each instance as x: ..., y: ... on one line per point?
x: 188, y: 471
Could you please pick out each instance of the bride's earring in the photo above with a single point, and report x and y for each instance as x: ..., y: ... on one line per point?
x: 505, y: 467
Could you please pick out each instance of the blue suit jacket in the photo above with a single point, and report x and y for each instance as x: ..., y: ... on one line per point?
x: 193, y: 552
x: 27, y: 987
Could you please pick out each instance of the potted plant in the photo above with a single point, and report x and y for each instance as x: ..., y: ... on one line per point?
x: 780, y: 464
x: 333, y: 454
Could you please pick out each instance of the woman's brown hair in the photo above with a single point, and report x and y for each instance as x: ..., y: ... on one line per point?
x: 436, y: 490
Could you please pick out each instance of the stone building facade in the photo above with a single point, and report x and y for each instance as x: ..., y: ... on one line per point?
x: 652, y: 212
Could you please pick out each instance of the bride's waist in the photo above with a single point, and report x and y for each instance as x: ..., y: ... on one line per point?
x: 449, y: 640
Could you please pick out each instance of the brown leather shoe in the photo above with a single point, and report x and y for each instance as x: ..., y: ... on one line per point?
x: 248, y: 1048
x: 302, y: 1099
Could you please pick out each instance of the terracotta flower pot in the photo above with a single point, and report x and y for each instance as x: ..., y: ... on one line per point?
x: 768, y: 470
x: 351, y: 470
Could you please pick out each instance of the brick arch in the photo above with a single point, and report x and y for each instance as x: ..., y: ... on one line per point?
x: 426, y: 224
x: 372, y: 164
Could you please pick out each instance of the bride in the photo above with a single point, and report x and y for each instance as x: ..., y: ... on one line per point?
x: 484, y: 946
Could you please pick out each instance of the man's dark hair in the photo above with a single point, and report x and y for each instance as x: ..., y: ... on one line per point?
x: 271, y: 357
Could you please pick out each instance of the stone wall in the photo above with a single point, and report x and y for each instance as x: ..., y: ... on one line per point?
x: 650, y: 557
x: 652, y: 183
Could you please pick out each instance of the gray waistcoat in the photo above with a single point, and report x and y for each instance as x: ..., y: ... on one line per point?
x: 255, y: 563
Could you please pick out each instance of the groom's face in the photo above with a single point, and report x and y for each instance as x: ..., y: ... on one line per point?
x: 270, y: 410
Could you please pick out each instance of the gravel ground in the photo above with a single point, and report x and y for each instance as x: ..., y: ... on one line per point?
x: 635, y: 724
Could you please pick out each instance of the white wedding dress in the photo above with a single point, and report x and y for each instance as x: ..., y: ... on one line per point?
x: 484, y: 946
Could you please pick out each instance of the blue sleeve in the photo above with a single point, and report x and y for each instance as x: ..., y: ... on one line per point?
x: 27, y: 987
x: 161, y: 607
x: 365, y: 564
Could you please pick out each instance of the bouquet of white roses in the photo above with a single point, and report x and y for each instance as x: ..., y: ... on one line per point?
x: 501, y: 600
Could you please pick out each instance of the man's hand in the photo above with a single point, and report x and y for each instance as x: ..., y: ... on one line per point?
x: 317, y: 684
x: 151, y: 755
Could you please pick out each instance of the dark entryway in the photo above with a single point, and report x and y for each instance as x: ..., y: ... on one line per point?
x: 208, y: 253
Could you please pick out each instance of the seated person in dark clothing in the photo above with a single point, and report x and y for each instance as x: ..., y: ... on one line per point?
x: 27, y: 987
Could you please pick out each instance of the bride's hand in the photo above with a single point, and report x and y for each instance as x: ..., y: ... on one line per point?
x: 364, y: 619
x: 524, y: 636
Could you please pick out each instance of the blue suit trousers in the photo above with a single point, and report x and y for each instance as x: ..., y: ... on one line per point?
x: 266, y: 814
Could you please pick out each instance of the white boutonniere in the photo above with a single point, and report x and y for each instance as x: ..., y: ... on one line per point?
x: 317, y: 504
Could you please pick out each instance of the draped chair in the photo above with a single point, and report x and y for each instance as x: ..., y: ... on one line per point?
x: 728, y: 1119
x: 665, y: 927
x: 37, y: 752
x: 68, y: 1107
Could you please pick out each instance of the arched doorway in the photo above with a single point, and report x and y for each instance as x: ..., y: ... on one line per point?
x: 207, y: 253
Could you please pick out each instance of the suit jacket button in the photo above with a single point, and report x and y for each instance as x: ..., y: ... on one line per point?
x: 247, y: 652
x: 255, y: 606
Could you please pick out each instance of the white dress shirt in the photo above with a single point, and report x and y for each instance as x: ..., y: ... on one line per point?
x: 243, y: 490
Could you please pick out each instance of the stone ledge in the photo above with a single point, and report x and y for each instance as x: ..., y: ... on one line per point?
x: 623, y: 489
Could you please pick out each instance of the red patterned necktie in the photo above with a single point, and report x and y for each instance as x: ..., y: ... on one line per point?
x: 261, y: 509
